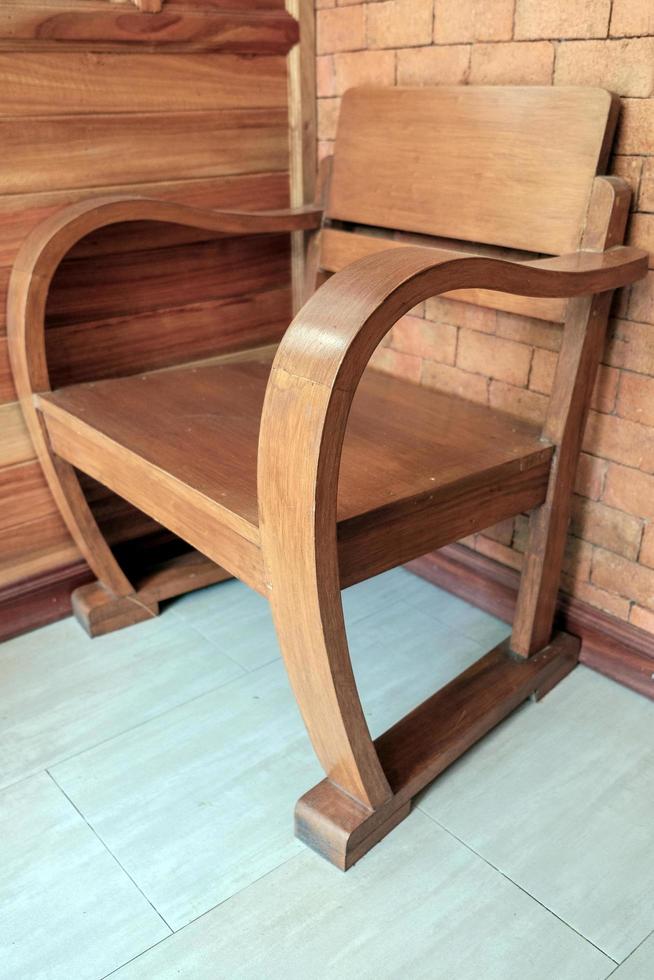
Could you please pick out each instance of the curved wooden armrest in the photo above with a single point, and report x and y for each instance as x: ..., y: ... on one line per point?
x: 46, y: 246
x: 333, y: 336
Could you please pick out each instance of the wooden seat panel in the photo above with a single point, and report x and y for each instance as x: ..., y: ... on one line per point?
x: 407, y: 453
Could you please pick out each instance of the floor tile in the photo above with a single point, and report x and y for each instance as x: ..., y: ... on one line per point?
x: 67, y: 910
x: 198, y: 803
x: 419, y: 906
x: 233, y: 617
x: 238, y: 620
x: 63, y: 692
x: 640, y: 965
x: 457, y: 614
x: 560, y: 798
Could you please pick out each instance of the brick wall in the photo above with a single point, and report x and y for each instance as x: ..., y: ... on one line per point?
x: 499, y: 358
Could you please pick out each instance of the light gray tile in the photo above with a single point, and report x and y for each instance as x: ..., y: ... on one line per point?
x: 560, y: 798
x: 233, y: 617
x: 66, y: 907
x: 457, y: 614
x: 419, y: 906
x: 638, y: 966
x: 63, y: 692
x: 198, y: 803
x: 239, y: 622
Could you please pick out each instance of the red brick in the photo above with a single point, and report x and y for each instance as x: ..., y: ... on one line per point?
x: 605, y: 390
x: 325, y: 78
x: 601, y: 599
x: 328, y: 110
x: 591, y: 472
x: 631, y: 346
x: 641, y: 299
x: 529, y: 330
x: 631, y: 18
x: 647, y: 550
x: 543, y: 367
x: 498, y: 552
x: 625, y: 66
x: 629, y: 490
x: 455, y: 382
x: 606, y: 527
x: 484, y: 353
x: 341, y: 29
x: 325, y: 149
x: 622, y: 577
x: 620, y: 440
x: 461, y: 314
x: 629, y: 168
x: 364, y: 68
x: 523, y: 63
x: 576, y: 562
x: 646, y: 198
x: 399, y: 23
x: 636, y: 128
x: 561, y: 18
x: 642, y: 618
x: 501, y: 532
x: 636, y: 398
x: 459, y: 21
x: 320, y: 4
x: 433, y: 341
x: 395, y: 362
x: 447, y: 65
x: 641, y: 234
x: 525, y: 404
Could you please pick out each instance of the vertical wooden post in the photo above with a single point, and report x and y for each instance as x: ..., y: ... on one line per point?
x: 302, y: 130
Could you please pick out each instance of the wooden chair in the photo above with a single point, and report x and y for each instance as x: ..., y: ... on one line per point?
x: 310, y: 472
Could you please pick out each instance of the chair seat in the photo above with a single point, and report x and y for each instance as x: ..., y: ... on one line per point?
x: 420, y: 468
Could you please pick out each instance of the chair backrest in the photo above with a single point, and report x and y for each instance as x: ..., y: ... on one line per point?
x: 494, y: 165
x: 501, y: 165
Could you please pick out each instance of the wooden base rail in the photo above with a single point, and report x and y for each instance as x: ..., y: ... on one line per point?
x: 428, y: 740
x: 609, y: 645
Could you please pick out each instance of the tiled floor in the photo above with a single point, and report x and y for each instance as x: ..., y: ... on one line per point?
x: 148, y: 782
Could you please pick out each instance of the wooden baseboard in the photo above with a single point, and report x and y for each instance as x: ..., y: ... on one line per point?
x: 45, y: 598
x: 609, y: 645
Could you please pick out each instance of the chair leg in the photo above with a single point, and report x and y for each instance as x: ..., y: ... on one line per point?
x: 111, y: 602
x: 353, y: 807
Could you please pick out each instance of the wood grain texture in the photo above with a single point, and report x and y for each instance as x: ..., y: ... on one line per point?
x: 57, y: 84
x: 339, y: 248
x: 52, y: 153
x: 611, y: 646
x: 94, y: 25
x: 581, y: 351
x: 505, y: 166
x: 21, y: 213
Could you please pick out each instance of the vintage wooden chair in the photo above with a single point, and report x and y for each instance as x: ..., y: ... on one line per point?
x: 307, y: 473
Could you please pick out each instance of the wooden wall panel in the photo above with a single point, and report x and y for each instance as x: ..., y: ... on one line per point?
x: 189, y: 104
x: 54, y: 153
x: 70, y: 83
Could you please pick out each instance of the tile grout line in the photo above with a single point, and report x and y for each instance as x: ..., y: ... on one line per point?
x: 650, y: 935
x: 523, y: 890
x: 109, y: 851
x: 133, y: 728
x: 213, y: 908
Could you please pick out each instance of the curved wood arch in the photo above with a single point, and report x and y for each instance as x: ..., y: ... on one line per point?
x: 315, y: 374
x: 35, y: 266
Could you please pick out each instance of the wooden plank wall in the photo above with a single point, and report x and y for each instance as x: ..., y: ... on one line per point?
x: 187, y: 104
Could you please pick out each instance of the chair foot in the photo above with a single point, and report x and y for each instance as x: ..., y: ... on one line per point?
x: 100, y: 611
x: 428, y: 740
x: 341, y: 829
